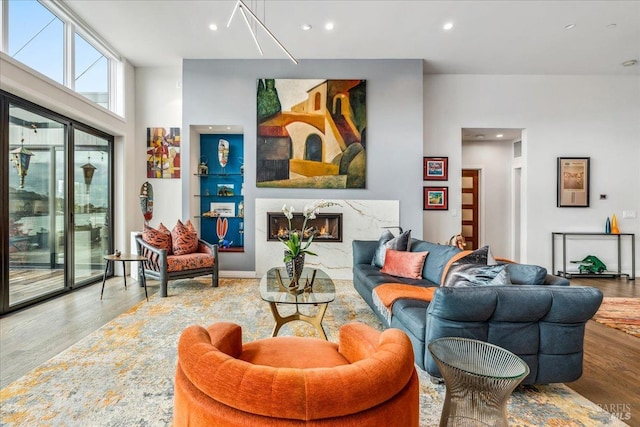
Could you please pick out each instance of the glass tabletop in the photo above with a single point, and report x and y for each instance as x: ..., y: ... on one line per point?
x: 314, y: 287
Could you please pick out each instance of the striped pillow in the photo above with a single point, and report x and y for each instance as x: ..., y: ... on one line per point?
x: 157, y: 238
x: 184, y: 240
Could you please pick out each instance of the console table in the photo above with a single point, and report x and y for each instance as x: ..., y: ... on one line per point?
x: 619, y: 237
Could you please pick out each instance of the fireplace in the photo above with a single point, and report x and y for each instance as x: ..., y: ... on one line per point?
x: 326, y: 227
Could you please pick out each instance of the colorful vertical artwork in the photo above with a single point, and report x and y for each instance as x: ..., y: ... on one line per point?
x: 311, y: 133
x: 163, y: 152
x: 146, y: 201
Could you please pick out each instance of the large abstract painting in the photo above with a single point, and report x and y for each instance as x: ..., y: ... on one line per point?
x: 311, y: 133
x: 163, y: 152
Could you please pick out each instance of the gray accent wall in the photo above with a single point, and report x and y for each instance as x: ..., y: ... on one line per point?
x: 223, y: 92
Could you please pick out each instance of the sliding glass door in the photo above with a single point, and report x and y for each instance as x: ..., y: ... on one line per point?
x: 56, y: 203
x: 91, y: 208
x: 36, y: 205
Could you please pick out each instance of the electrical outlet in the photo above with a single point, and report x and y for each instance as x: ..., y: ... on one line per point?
x: 628, y: 214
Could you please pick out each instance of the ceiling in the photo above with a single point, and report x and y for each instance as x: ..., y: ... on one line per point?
x: 488, y: 37
x: 491, y: 135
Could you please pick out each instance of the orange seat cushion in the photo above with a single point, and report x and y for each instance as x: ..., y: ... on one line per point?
x: 192, y: 261
x: 276, y: 352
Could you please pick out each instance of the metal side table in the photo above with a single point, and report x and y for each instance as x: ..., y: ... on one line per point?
x: 125, y: 258
x: 479, y: 379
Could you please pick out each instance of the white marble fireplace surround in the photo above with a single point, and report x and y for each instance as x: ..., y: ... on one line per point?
x: 361, y: 220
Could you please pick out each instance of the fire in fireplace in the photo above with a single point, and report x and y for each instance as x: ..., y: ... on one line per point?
x: 326, y: 227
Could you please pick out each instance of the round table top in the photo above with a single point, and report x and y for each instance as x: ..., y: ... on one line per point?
x: 478, y: 358
x: 124, y: 257
x: 323, y: 290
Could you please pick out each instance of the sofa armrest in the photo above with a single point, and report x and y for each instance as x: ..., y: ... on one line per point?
x: 550, y: 279
x: 358, y: 341
x: 156, y: 258
x: 213, y: 248
x: 363, y: 251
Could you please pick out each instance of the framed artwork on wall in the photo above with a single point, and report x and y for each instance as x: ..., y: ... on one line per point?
x: 436, y: 198
x: 163, y: 152
x: 311, y: 133
x: 435, y: 169
x: 573, y: 182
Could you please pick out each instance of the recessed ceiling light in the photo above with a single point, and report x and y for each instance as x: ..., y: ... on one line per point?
x: 210, y: 127
x: 306, y: 27
x: 499, y: 135
x: 228, y: 127
x: 213, y: 27
x: 329, y: 26
x: 630, y: 63
x: 480, y: 136
x: 448, y: 26
x: 569, y: 26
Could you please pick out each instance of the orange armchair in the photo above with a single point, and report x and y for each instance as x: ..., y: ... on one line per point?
x: 367, y: 379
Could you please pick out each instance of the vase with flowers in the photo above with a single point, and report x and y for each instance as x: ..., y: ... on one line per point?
x: 296, y: 245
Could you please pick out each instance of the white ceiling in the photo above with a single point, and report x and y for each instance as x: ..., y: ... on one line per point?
x: 488, y: 37
x: 491, y: 135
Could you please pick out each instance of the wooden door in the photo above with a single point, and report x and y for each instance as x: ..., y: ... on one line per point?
x: 470, y: 208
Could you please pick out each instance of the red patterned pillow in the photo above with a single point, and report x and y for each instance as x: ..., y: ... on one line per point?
x: 184, y: 240
x: 190, y: 226
x: 157, y: 238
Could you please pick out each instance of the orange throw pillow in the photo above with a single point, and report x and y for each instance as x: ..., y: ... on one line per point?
x: 157, y: 237
x: 184, y: 241
x: 404, y: 264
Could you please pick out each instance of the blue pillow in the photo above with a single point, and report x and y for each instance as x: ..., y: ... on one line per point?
x: 439, y: 256
x: 526, y: 274
x: 477, y: 275
x: 388, y: 241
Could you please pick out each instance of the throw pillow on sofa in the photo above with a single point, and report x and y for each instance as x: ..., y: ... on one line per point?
x: 388, y: 241
x: 404, y: 264
x: 475, y: 269
x: 159, y: 238
x: 184, y: 241
x: 526, y: 274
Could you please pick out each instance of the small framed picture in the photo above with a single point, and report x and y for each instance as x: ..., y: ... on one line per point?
x: 435, y: 169
x: 225, y: 190
x: 436, y: 198
x: 223, y: 209
x: 573, y: 182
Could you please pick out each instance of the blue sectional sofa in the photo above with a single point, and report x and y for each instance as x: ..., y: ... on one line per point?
x: 543, y: 323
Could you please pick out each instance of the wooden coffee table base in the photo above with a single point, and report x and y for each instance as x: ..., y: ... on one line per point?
x: 312, y: 320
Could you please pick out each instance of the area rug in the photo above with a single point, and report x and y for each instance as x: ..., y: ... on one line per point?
x: 122, y: 374
x: 620, y: 313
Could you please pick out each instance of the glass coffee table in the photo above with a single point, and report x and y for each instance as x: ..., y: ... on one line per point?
x: 315, y: 288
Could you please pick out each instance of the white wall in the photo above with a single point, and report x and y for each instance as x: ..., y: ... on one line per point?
x: 223, y: 92
x: 158, y: 104
x: 494, y: 160
x: 593, y: 116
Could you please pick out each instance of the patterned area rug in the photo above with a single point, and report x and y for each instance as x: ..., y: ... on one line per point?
x: 620, y: 313
x: 122, y: 374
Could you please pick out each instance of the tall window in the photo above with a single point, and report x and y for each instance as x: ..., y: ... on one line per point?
x: 91, y: 75
x: 37, y: 34
x: 36, y: 38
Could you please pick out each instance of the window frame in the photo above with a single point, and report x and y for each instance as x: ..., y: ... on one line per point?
x: 72, y: 24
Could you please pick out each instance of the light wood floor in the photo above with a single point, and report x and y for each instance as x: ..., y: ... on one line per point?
x: 612, y: 358
x: 32, y: 336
